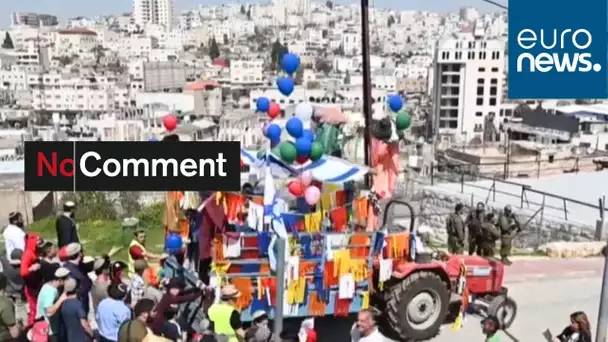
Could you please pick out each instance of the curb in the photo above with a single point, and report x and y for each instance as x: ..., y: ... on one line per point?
x: 588, y: 274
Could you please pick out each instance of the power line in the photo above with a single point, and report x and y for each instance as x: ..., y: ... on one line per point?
x: 496, y: 4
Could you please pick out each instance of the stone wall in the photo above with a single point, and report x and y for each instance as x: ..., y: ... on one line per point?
x: 435, y: 206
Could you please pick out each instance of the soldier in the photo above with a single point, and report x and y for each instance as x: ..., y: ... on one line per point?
x: 473, y: 223
x: 489, y: 235
x: 509, y: 227
x: 455, y: 229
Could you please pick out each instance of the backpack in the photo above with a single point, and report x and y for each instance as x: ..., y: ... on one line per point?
x: 39, y: 331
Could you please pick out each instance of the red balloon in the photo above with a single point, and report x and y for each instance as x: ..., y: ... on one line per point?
x: 302, y: 160
x: 274, y: 110
x: 242, y: 163
x: 170, y: 122
x: 296, y: 188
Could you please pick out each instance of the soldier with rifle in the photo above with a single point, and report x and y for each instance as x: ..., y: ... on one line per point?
x: 509, y: 227
x: 489, y: 235
x: 455, y: 229
x: 473, y: 223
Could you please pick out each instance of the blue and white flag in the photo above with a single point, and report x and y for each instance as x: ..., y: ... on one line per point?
x: 273, y: 210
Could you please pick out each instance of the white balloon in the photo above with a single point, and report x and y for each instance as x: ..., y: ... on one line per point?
x: 303, y: 111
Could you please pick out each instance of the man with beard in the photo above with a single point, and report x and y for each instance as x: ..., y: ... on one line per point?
x: 14, y: 234
x: 473, y: 222
x: 138, y: 251
x: 67, y: 230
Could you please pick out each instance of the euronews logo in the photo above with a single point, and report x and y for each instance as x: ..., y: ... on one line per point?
x: 565, y: 51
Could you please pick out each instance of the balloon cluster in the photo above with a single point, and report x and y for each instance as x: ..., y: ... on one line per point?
x: 303, y: 187
x: 403, y: 119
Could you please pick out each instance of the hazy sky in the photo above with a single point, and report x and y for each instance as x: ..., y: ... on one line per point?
x: 70, y: 8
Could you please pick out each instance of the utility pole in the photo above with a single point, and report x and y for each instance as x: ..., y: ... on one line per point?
x: 602, y: 321
x: 367, y: 85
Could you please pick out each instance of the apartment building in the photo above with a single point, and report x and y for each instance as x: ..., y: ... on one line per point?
x: 159, y: 12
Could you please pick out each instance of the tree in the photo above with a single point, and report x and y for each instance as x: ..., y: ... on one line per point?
x: 391, y: 21
x: 243, y: 11
x: 214, y: 50
x: 329, y: 4
x: 322, y: 65
x: 8, y: 42
x: 276, y: 54
x: 347, y: 78
x: 249, y: 13
x: 226, y: 41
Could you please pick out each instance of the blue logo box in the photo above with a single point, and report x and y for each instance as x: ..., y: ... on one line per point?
x: 558, y: 51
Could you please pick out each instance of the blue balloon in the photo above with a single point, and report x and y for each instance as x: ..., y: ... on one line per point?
x: 303, y: 147
x: 308, y: 134
x: 262, y: 104
x: 294, y: 127
x: 274, y: 142
x: 273, y: 132
x: 173, y: 243
x: 395, y: 102
x: 290, y: 63
x: 153, y: 139
x: 285, y: 85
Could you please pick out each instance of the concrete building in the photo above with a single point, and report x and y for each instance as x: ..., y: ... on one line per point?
x: 33, y: 19
x: 159, y: 12
x: 467, y: 84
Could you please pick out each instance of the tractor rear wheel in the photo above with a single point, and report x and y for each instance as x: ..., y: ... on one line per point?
x: 416, y: 308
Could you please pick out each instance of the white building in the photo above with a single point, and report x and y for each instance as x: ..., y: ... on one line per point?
x: 159, y: 12
x: 247, y: 73
x: 467, y: 84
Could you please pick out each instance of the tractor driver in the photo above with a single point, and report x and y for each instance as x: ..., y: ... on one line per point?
x: 473, y: 222
x: 455, y: 229
x: 489, y: 235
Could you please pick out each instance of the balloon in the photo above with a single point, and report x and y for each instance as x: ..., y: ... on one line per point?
x: 306, y: 178
x: 303, y: 147
x: 402, y: 121
x: 294, y: 127
x: 173, y: 243
x: 302, y: 160
x: 170, y: 122
x: 316, y: 151
x: 152, y: 139
x: 265, y: 128
x: 288, y: 151
x: 312, y: 195
x: 304, y: 111
x: 308, y: 134
x: 274, y: 110
x: 242, y: 163
x: 290, y: 63
x: 262, y: 104
x: 274, y: 143
x: 273, y: 132
x: 285, y: 85
x: 395, y: 102
x: 296, y: 188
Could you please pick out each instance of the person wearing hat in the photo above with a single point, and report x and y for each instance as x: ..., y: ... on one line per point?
x: 509, y: 227
x: 175, y: 294
x: 73, y: 253
x: 138, y: 251
x: 47, y: 255
x: 259, y: 331
x: 473, y: 222
x: 14, y: 233
x: 74, y: 318
x: 112, y: 312
x: 455, y: 230
x: 49, y: 301
x: 67, y: 230
x: 225, y: 318
x: 99, y: 291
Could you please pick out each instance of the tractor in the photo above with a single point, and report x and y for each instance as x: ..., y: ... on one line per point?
x: 426, y: 289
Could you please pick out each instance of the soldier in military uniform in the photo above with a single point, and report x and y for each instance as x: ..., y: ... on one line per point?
x: 509, y: 227
x: 455, y: 229
x: 489, y: 235
x: 473, y: 223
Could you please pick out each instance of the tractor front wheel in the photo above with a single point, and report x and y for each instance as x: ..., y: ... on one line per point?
x: 504, y: 308
x: 417, y: 307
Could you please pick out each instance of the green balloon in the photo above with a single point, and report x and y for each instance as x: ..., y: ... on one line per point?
x: 261, y: 153
x: 317, y: 150
x: 402, y: 121
x: 288, y: 152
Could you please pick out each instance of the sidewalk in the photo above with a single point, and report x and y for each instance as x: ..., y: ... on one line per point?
x: 526, y: 269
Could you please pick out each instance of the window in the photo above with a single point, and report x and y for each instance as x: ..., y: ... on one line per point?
x: 494, y: 81
x: 458, y: 55
x: 453, y: 124
x: 482, y: 55
x: 470, y: 55
x: 493, y: 91
x: 494, y: 69
x: 479, y: 90
x: 481, y: 69
x: 492, y: 101
x: 480, y: 101
x: 478, y: 114
x: 480, y: 81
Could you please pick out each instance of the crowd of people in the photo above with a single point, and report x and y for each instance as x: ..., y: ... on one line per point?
x: 483, y: 229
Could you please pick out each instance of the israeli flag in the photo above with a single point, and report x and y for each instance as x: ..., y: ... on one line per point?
x: 273, y: 208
